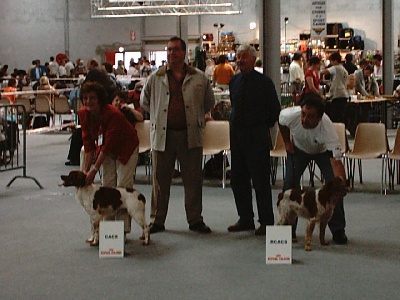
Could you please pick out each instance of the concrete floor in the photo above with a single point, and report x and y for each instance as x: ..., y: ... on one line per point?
x: 44, y: 255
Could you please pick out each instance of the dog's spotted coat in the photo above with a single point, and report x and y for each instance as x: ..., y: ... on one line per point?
x: 101, y: 202
x: 316, y: 206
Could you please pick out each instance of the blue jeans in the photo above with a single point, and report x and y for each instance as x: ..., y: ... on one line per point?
x: 295, y: 167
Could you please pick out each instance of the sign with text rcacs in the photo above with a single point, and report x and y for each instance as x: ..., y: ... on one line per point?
x: 278, y: 244
x: 111, y: 241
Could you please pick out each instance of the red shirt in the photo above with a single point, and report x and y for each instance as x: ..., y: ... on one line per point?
x: 176, y: 118
x: 119, y: 136
x: 310, y: 73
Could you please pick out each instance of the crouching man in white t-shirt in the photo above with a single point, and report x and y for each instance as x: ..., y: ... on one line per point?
x: 309, y: 134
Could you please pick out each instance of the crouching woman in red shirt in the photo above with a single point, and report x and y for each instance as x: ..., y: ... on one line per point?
x: 109, y: 138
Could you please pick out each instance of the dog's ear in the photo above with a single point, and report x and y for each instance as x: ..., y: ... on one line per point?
x: 78, y: 178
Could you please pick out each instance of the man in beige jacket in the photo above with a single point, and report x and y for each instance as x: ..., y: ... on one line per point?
x: 177, y: 96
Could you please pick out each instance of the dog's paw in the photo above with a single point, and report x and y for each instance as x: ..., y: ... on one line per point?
x: 307, y: 248
x: 294, y: 239
x: 323, y: 243
x: 90, y: 240
x: 94, y: 243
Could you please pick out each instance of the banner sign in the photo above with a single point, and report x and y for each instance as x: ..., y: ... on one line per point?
x: 318, y: 19
x: 278, y: 244
x: 111, y: 239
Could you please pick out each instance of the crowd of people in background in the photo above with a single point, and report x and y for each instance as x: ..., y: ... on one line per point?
x: 337, y: 81
x: 61, y: 67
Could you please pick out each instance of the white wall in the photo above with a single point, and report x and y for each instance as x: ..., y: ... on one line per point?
x: 36, y: 29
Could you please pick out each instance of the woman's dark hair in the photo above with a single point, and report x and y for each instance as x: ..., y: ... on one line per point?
x: 314, y: 60
x: 100, y: 75
x: 93, y: 86
x: 315, y: 101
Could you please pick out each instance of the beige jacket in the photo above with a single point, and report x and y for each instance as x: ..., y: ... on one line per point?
x: 197, y: 96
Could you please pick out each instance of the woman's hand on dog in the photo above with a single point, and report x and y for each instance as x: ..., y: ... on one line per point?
x: 90, y: 176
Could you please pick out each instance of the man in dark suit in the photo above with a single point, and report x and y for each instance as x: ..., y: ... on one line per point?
x: 37, y: 72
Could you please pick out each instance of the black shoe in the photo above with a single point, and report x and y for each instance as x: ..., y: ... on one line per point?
x: 200, y: 227
x: 154, y: 228
x: 241, y: 226
x: 339, y: 237
x: 72, y: 163
x: 260, y: 230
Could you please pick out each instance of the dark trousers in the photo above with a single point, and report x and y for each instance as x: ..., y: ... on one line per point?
x: 75, y: 145
x: 295, y: 167
x: 337, y: 110
x: 190, y: 160
x: 250, y: 165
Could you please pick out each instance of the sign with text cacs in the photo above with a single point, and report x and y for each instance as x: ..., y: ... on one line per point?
x: 318, y: 19
x: 278, y: 244
x: 111, y: 239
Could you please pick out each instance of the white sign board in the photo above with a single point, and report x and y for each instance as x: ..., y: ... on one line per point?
x: 111, y: 239
x: 318, y: 19
x: 278, y: 244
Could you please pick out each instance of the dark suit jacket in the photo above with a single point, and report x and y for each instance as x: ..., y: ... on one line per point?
x: 42, y: 71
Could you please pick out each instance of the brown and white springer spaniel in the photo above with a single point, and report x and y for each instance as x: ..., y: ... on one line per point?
x: 316, y: 206
x: 102, y: 202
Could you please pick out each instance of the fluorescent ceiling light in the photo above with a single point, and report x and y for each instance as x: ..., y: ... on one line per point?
x: 163, y: 6
x: 136, y: 8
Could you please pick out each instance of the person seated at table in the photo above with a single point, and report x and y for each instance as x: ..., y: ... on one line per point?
x: 44, y: 85
x: 222, y: 73
x: 366, y: 84
x: 23, y: 80
x: 120, y: 70
x: 349, y: 65
x: 80, y: 68
x: 11, y: 87
x: 133, y: 71
x: 131, y: 112
x: 351, y: 85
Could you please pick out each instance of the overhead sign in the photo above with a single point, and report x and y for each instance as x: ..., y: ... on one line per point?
x: 318, y: 19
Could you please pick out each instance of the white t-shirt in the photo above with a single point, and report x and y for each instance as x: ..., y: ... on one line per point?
x: 62, y: 71
x: 312, y: 141
x: 295, y: 71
